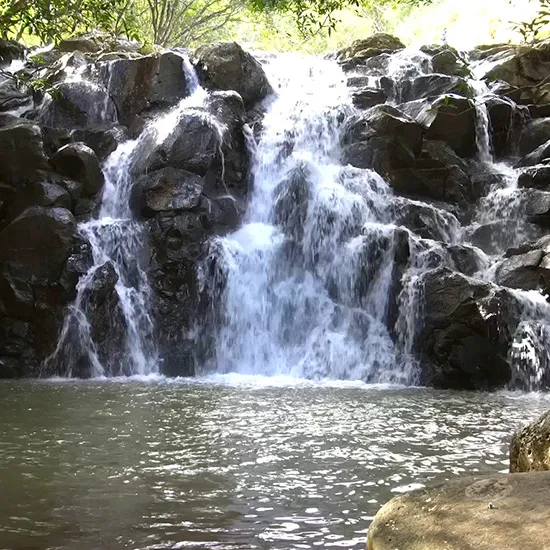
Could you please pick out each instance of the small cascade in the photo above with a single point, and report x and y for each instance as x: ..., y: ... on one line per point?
x: 114, y: 294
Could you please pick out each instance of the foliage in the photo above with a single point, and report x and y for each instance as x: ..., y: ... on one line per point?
x: 530, y: 30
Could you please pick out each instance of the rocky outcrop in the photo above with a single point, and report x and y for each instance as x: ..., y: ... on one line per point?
x: 530, y: 447
x: 366, y: 48
x: 482, y: 513
x: 467, y: 330
x: 226, y: 66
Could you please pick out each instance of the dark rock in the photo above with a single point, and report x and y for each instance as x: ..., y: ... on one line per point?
x: 537, y: 207
x: 145, y: 84
x: 81, y: 104
x: 495, y: 237
x: 450, y: 118
x: 84, y: 44
x: 430, y: 85
x: 10, y: 51
x: 468, y: 329
x: 506, y: 121
x: 534, y: 135
x: 365, y: 98
x: 366, y: 48
x: 38, y: 242
x: 14, y: 95
x: 9, y: 368
x: 80, y: 163
x: 169, y: 189
x: 524, y: 271
x: 21, y: 151
x: 539, y: 111
x: 102, y: 142
x: 226, y: 66
x: 537, y: 177
x: 539, y: 155
x: 446, y: 60
x: 444, y: 155
x: 466, y: 259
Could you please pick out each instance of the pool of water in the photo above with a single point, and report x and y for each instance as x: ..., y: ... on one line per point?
x: 231, y: 462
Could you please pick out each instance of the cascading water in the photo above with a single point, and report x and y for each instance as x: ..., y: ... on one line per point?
x: 309, y: 276
x: 116, y: 240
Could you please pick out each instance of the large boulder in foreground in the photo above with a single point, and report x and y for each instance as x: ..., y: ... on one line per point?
x: 467, y: 331
x: 226, y: 66
x: 530, y: 447
x: 480, y: 513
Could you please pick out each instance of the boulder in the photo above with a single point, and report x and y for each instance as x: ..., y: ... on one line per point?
x: 365, y: 98
x: 78, y: 162
x: 540, y: 155
x: 467, y: 330
x: 168, y: 189
x: 530, y: 447
x: 432, y: 85
x: 498, y: 236
x: 21, y: 151
x: 506, y: 123
x: 103, y: 142
x: 10, y: 51
x: 38, y: 242
x: 226, y: 66
x: 366, y: 48
x: 478, y: 513
x: 525, y: 271
x: 95, y: 42
x: 537, y: 207
x: 450, y: 118
x: 15, y: 96
x: 145, y: 84
x: 537, y: 177
x: 446, y: 60
x: 78, y: 105
x: 534, y: 134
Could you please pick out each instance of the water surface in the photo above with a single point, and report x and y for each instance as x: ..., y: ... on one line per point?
x: 252, y: 464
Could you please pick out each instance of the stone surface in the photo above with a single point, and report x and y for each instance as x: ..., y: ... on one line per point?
x: 479, y: 513
x: 226, y: 66
x: 530, y: 446
x: 363, y: 49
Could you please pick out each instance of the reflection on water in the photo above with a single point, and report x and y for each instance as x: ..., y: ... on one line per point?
x: 152, y: 464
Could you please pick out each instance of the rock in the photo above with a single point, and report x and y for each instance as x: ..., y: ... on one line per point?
x: 80, y: 163
x: 145, y: 84
x: 537, y: 177
x: 78, y: 105
x: 226, y: 66
x: 446, y: 60
x: 365, y: 98
x: 21, y: 151
x: 479, y: 513
x: 442, y: 154
x: 95, y: 42
x: 534, y: 134
x: 524, y: 271
x: 363, y: 49
x: 530, y: 447
x: 10, y: 51
x: 169, y: 189
x: 496, y: 237
x: 384, y: 139
x: 539, y: 155
x: 423, y: 219
x: 431, y: 85
x: 506, y: 122
x: 519, y: 66
x: 467, y: 331
x: 195, y: 145
x: 447, y: 184
x: 449, y: 118
x: 37, y: 243
x: 467, y: 259
x: 15, y: 96
x: 102, y: 142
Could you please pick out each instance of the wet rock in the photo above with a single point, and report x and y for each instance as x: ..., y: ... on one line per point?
x: 540, y: 155
x: 384, y: 139
x: 496, y: 237
x: 450, y: 118
x: 366, y: 48
x: 466, y: 259
x: 537, y: 177
x: 168, y: 189
x: 103, y: 142
x: 95, y: 42
x: 520, y: 66
x: 506, y: 123
x: 365, y: 98
x: 78, y: 105
x: 530, y: 447
x: 15, y: 95
x: 9, y: 368
x: 226, y: 66
x: 448, y: 184
x: 145, y: 84
x: 21, y: 151
x: 441, y: 155
x: 534, y: 135
x: 430, y: 85
x: 481, y: 513
x: 80, y: 163
x: 10, y: 51
x: 37, y: 243
x: 467, y: 331
x: 446, y: 60
x: 525, y: 271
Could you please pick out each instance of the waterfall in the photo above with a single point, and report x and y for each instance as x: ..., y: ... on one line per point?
x: 117, y: 245
x: 310, y: 275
